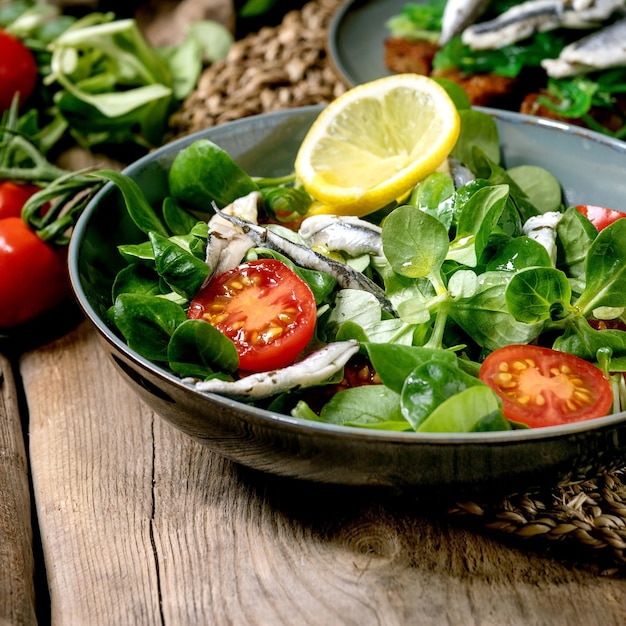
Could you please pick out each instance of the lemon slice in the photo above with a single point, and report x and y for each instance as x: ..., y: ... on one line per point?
x: 372, y: 144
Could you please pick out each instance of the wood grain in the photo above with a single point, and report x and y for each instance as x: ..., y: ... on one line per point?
x: 17, y: 592
x: 141, y: 525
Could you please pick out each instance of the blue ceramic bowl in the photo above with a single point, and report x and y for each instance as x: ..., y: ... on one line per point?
x: 592, y: 170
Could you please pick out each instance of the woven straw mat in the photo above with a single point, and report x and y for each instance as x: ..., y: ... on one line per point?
x: 260, y: 74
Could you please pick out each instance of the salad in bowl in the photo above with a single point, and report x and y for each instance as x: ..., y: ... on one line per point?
x: 472, y: 310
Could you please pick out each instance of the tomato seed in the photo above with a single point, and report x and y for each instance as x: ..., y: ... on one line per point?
x: 218, y: 318
x: 364, y: 373
x: 271, y: 333
x: 503, y: 378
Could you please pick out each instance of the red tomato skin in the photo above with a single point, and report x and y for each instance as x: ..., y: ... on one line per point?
x: 594, y: 396
x: 13, y: 196
x: 33, y: 275
x: 18, y: 70
x: 251, y: 307
x: 599, y: 216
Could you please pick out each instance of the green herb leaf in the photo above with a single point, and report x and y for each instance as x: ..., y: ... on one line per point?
x: 197, y: 349
x: 370, y: 406
x: 137, y: 204
x: 476, y: 223
x: 414, y: 243
x: 428, y: 386
x: 394, y: 363
x: 203, y: 173
x: 485, y: 316
x: 468, y: 411
x: 538, y: 294
x: 137, y: 279
x: 180, y: 269
x: 147, y: 323
x: 517, y: 254
x: 606, y: 270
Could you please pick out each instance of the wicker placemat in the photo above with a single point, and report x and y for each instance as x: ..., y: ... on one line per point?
x: 288, y: 66
x: 584, y: 521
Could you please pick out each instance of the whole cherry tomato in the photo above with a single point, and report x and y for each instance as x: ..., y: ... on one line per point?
x: 545, y: 387
x: 18, y: 70
x: 599, y: 216
x: 13, y: 196
x: 33, y: 275
x: 264, y: 307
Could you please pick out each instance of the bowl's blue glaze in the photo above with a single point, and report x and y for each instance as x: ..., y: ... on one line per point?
x: 592, y: 169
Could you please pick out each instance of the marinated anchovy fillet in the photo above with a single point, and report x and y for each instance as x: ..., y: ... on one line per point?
x: 226, y: 246
x: 525, y: 19
x: 342, y: 232
x: 461, y: 175
x: 315, y: 369
x: 346, y: 276
x: 542, y: 228
x: 458, y: 15
x: 603, y: 49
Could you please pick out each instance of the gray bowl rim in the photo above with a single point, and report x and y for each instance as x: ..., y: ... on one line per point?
x: 302, y: 426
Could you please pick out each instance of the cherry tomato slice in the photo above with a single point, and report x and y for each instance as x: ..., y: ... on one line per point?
x: 599, y: 216
x: 264, y: 307
x: 13, y: 197
x: 18, y: 70
x: 543, y: 387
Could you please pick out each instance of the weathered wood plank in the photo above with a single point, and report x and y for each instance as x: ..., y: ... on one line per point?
x: 17, y: 592
x: 140, y: 524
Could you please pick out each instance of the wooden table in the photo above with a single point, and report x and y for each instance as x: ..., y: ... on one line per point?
x: 138, y: 524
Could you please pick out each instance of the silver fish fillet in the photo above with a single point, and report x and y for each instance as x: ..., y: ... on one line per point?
x: 313, y: 370
x: 226, y: 246
x: 345, y: 233
x: 523, y: 20
x: 458, y: 15
x: 346, y: 276
x: 542, y: 229
x: 601, y: 50
x: 461, y: 175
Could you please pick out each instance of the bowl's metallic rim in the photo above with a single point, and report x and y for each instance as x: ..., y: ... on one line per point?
x: 299, y: 425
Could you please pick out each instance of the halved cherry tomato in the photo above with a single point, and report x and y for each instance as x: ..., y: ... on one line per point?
x: 33, y: 275
x: 599, y: 216
x: 18, y: 70
x: 544, y: 387
x: 264, y: 307
x: 13, y: 196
